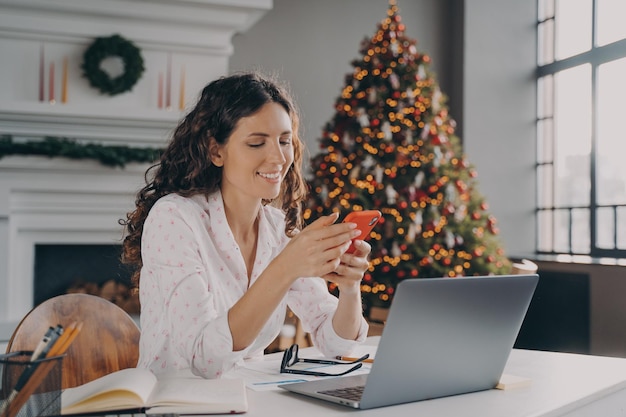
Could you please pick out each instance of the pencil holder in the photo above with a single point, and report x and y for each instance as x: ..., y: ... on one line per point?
x: 30, y: 389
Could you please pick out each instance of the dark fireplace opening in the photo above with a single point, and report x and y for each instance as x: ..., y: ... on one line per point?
x: 91, y: 269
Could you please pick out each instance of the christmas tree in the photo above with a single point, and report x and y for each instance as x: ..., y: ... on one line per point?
x: 391, y: 146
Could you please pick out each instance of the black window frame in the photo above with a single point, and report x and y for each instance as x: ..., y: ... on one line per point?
x: 596, y: 56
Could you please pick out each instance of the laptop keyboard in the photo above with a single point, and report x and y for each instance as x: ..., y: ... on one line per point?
x: 351, y: 393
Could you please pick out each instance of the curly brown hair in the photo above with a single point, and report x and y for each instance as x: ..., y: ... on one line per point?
x: 186, y: 169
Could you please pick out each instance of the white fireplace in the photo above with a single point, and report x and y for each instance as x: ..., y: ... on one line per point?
x: 62, y: 201
x: 55, y: 201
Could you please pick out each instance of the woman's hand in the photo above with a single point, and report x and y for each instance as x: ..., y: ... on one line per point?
x: 319, y: 250
x: 349, y: 273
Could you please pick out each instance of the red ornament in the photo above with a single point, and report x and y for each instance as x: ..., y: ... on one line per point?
x: 449, y: 209
x: 375, y: 122
x: 420, y: 195
x: 414, y: 272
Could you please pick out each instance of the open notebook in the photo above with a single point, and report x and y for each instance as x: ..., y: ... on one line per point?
x: 443, y: 336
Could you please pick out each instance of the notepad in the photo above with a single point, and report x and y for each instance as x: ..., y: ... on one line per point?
x: 139, y: 389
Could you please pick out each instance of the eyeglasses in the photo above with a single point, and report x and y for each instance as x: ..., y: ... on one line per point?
x: 290, y: 358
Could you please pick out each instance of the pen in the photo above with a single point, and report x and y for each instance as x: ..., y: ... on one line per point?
x: 350, y: 358
x: 42, y: 344
x: 284, y: 381
x: 56, y: 334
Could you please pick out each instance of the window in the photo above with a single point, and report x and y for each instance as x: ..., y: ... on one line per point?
x: 581, y: 118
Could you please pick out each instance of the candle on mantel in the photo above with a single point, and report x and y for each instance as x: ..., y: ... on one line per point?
x: 51, y: 84
x: 181, y: 98
x: 160, y: 97
x: 168, y: 83
x: 42, y: 74
x: 64, y: 81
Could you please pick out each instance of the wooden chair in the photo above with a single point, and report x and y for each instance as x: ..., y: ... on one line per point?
x: 108, y: 341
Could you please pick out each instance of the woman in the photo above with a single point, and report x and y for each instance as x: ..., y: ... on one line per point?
x: 218, y: 242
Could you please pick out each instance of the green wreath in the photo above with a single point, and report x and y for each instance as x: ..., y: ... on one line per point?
x: 104, y: 47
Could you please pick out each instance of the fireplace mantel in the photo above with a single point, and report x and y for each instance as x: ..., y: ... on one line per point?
x: 62, y: 201
x: 184, y: 44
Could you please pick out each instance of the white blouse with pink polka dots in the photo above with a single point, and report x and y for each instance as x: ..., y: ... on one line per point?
x: 193, y: 273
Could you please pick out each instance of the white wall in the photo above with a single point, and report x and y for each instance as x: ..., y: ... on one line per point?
x: 499, y: 112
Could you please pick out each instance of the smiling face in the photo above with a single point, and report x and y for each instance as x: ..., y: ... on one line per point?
x: 257, y: 155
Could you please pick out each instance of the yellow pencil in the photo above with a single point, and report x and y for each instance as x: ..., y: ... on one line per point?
x: 350, y: 359
x: 70, y: 334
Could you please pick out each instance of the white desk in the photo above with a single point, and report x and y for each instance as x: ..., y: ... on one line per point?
x: 562, y: 385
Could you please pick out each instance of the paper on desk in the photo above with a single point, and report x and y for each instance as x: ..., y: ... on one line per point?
x: 264, y: 375
x: 363, y: 349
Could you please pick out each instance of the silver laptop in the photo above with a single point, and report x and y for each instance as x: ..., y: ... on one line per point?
x: 443, y: 336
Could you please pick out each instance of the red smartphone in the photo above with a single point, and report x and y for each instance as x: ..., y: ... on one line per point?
x: 365, y: 220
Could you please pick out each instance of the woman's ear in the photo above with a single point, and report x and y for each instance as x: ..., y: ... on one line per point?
x: 215, y: 153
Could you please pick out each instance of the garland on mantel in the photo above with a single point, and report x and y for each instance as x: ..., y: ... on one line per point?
x: 113, y: 156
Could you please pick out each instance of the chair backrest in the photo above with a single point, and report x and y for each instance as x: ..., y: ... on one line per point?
x: 108, y: 341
